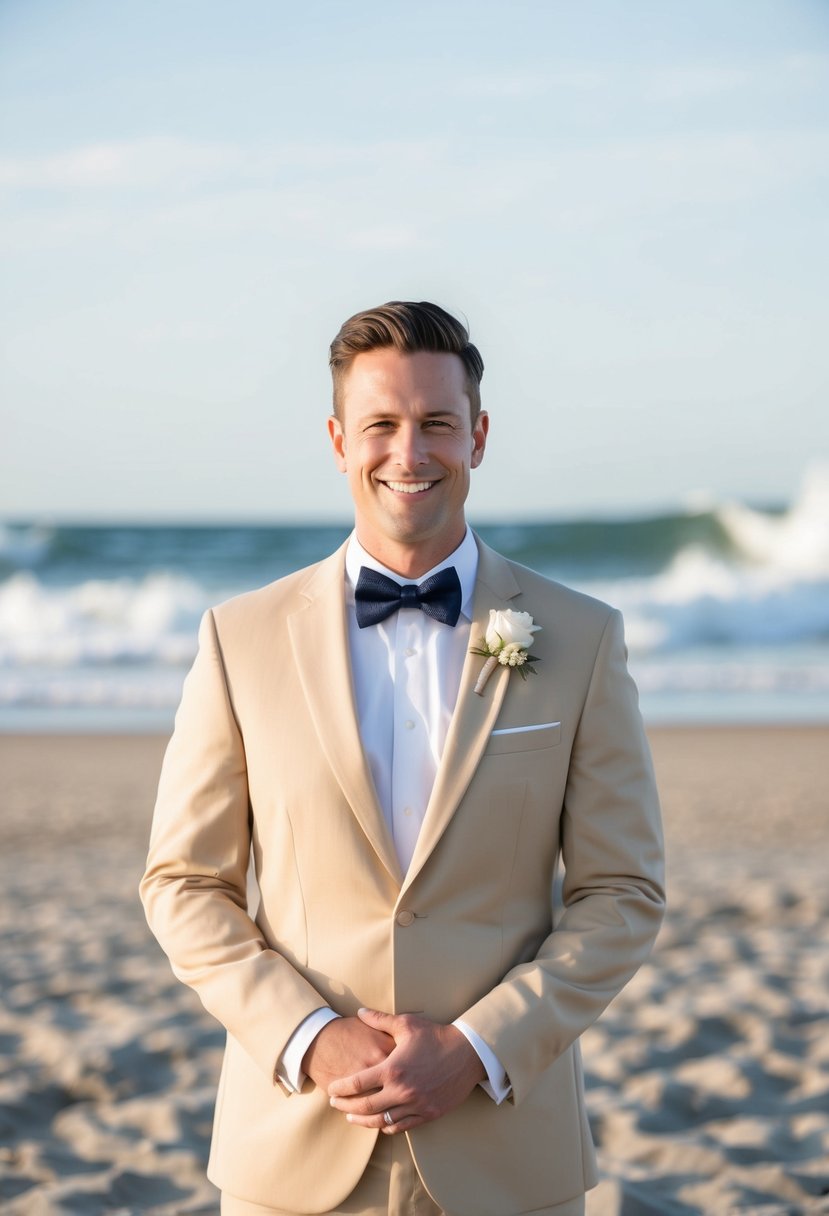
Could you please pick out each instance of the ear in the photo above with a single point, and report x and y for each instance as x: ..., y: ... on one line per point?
x: 479, y: 433
x: 337, y: 436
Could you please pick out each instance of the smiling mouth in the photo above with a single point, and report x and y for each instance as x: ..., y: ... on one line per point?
x: 409, y: 487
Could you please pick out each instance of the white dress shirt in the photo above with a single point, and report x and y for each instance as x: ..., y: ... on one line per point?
x: 406, y: 672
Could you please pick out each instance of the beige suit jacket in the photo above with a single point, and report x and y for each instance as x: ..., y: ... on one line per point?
x: 266, y: 754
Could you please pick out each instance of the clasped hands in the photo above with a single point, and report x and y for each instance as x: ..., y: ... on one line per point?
x: 403, y: 1064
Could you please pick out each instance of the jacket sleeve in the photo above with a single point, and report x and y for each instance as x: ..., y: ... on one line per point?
x: 612, y: 850
x: 194, y: 890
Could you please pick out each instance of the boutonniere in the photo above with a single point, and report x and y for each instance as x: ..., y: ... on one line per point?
x: 508, y: 638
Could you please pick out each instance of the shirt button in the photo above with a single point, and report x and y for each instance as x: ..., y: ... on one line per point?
x: 407, y: 810
x: 409, y: 724
x: 405, y: 918
x: 409, y: 652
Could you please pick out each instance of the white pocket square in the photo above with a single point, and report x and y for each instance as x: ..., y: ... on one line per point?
x: 521, y: 730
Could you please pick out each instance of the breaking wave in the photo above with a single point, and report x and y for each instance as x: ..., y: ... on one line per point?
x: 717, y: 599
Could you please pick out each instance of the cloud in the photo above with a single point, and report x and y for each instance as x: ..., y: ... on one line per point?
x: 528, y: 85
x: 699, y: 79
x: 385, y: 237
x: 168, y: 164
x: 692, y: 81
x: 392, y: 195
x: 126, y: 165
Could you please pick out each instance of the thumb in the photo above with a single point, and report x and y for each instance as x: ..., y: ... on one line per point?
x: 374, y: 1017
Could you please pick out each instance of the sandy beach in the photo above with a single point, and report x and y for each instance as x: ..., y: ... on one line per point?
x: 708, y: 1078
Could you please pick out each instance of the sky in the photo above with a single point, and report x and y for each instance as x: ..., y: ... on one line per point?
x: 627, y: 201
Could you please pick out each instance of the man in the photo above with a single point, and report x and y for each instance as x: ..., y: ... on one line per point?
x: 403, y: 1013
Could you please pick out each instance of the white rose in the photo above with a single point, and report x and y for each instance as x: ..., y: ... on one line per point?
x: 510, y: 627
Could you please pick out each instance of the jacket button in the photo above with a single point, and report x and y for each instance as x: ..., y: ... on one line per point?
x: 405, y: 917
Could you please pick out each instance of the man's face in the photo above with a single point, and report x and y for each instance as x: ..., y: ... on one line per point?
x: 407, y: 444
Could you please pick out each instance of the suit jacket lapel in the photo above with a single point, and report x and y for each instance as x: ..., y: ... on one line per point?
x: 319, y: 640
x: 474, y: 716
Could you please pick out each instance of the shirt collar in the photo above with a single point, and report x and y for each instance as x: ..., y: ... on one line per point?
x: 464, y: 559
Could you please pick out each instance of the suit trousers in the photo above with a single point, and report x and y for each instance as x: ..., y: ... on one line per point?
x: 390, y: 1186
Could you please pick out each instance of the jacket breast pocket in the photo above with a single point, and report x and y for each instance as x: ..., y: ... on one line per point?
x: 523, y: 739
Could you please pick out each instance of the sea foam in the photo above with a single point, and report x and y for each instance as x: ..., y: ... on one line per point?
x: 730, y: 599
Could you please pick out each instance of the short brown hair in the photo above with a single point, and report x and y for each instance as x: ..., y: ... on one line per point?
x: 408, y: 327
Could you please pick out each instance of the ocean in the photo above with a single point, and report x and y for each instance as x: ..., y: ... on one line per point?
x: 726, y: 608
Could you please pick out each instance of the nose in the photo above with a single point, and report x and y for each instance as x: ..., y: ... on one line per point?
x: 412, y: 447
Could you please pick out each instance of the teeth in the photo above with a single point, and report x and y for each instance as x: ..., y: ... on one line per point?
x: 409, y: 487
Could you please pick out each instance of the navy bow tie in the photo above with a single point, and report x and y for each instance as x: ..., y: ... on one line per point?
x: 377, y: 597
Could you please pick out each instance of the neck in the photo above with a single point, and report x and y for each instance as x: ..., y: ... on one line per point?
x: 411, y: 561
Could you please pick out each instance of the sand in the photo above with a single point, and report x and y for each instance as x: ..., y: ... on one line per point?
x: 708, y: 1078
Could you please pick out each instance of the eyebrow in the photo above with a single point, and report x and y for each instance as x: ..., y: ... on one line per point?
x: 446, y: 412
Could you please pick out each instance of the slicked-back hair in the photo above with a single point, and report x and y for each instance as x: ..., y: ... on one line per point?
x: 408, y: 327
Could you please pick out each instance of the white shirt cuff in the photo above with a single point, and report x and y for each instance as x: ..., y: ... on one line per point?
x: 497, y: 1083
x: 289, y: 1066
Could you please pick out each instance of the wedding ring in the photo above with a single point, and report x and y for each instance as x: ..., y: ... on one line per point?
x: 387, y: 1119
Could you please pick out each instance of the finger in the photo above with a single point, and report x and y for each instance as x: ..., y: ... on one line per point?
x: 403, y: 1125
x: 378, y: 1122
x: 366, y: 1082
x: 377, y: 1019
x: 397, y: 1121
x: 370, y: 1107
